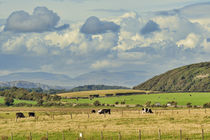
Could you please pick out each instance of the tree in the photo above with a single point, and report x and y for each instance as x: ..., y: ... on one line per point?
x: 8, y: 101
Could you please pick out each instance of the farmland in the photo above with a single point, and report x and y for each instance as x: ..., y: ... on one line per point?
x: 162, y: 98
x: 16, y: 101
x: 124, y: 124
x: 99, y: 92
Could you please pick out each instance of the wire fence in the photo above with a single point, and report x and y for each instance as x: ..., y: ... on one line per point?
x: 139, y: 135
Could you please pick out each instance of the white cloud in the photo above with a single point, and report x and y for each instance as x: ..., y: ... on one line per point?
x: 190, y: 42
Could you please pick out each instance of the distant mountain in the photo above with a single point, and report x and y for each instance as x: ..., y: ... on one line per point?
x: 38, y: 77
x: 27, y: 85
x: 96, y: 87
x: 126, y: 78
x: 194, y: 77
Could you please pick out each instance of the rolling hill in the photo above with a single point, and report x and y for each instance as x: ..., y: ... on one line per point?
x: 190, y: 78
x: 96, y: 87
x: 28, y: 85
x: 124, y: 78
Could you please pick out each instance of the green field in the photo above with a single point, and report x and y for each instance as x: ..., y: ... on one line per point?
x: 18, y: 101
x: 163, y: 98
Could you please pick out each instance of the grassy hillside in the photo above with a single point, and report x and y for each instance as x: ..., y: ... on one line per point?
x: 96, y: 87
x: 195, y: 77
x: 162, y: 98
x: 100, y: 92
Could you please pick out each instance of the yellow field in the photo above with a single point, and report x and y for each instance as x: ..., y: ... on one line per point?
x: 100, y: 92
x: 127, y: 123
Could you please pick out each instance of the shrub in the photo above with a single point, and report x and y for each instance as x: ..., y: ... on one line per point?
x: 8, y: 101
x: 189, y: 105
x: 148, y: 103
x: 206, y: 105
x: 138, y: 105
x: 116, y: 102
x: 96, y: 103
x: 123, y: 102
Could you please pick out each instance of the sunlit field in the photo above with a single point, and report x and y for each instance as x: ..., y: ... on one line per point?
x: 163, y: 98
x: 124, y: 124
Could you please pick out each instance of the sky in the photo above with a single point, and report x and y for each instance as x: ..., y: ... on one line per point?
x: 73, y: 37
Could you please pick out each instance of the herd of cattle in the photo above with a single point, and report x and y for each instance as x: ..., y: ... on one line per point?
x: 104, y: 111
x: 101, y: 111
x: 21, y: 115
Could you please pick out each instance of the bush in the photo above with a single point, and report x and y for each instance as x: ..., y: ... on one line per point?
x: 96, y: 103
x: 148, y: 103
x: 123, y: 102
x: 116, y: 102
x: 83, y: 104
x: 189, y: 105
x: 138, y: 105
x: 8, y: 101
x: 206, y: 105
x: 23, y: 104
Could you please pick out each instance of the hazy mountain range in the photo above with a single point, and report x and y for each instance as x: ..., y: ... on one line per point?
x: 126, y: 78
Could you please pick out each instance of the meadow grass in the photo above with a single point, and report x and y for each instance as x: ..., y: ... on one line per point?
x: 126, y: 124
x: 163, y: 98
x: 16, y: 101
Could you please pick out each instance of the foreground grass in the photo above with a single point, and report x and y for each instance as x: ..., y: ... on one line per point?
x: 57, y: 122
x: 163, y: 98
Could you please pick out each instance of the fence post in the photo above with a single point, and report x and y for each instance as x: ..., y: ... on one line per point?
x: 30, y: 136
x: 122, y: 113
x: 119, y: 136
x: 205, y: 110
x: 47, y: 135
x: 11, y: 136
x: 159, y: 133
x: 180, y: 134
x: 139, y: 134
x: 88, y: 116
x: 63, y: 136
x: 202, y: 134
x: 71, y: 115
x: 102, y: 135
x: 189, y: 111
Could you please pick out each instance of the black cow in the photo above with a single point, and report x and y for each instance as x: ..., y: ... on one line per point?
x: 146, y: 110
x: 104, y: 111
x: 31, y: 114
x: 20, y: 115
x: 93, y: 111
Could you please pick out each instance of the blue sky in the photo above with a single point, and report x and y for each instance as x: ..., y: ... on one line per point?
x: 78, y: 36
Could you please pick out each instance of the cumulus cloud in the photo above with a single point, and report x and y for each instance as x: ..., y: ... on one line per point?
x: 166, y: 42
x: 41, y: 20
x: 150, y: 27
x: 190, y: 42
x: 94, y: 25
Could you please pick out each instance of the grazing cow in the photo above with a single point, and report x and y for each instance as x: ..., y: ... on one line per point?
x: 93, y: 111
x: 31, y: 114
x: 20, y: 115
x: 146, y: 110
x: 104, y: 111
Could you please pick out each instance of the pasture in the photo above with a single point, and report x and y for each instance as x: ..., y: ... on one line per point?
x: 162, y: 98
x: 122, y: 124
x: 16, y: 101
x: 100, y: 92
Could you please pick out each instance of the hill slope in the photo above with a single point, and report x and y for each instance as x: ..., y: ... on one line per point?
x: 96, y: 87
x: 194, y: 77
